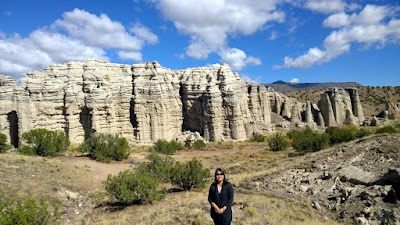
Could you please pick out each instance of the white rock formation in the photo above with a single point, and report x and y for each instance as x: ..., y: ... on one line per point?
x: 142, y: 102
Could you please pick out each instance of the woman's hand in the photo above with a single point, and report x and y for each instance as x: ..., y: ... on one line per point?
x: 222, y: 210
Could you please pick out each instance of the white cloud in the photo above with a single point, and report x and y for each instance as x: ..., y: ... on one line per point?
x: 237, y: 59
x: 144, y: 33
x: 367, y: 27
x: 337, y: 20
x: 78, y: 36
x: 273, y: 35
x: 210, y: 22
x: 294, y: 81
x: 247, y: 78
x: 326, y: 6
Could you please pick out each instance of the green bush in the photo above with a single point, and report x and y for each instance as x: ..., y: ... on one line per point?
x: 199, y: 144
x: 26, y: 211
x: 190, y: 175
x: 129, y: 187
x: 277, y: 142
x: 308, y: 141
x: 257, y: 137
x: 165, y: 147
x: 105, y: 147
x: 386, y: 129
x: 159, y: 166
x: 3, y: 143
x: 188, y: 144
x: 363, y: 133
x: 44, y: 142
x: 338, y: 135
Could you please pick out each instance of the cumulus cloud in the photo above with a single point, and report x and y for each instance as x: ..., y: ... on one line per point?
x: 237, y: 59
x: 210, y: 22
x: 294, y: 81
x: 326, y: 6
x: 368, y: 27
x: 247, y: 78
x: 144, y: 33
x: 79, y: 35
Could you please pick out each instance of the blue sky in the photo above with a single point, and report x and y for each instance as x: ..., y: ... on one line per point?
x: 262, y: 40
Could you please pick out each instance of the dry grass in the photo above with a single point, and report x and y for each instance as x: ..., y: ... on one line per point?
x: 53, y: 176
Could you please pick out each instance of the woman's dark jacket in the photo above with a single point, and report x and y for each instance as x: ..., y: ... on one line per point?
x: 221, y: 200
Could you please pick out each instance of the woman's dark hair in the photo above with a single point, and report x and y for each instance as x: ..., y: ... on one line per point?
x: 215, y: 175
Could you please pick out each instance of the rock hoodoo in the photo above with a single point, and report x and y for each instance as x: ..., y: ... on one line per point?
x: 146, y: 102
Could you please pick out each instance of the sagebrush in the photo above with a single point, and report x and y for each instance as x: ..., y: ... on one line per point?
x: 105, y: 147
x: 129, y: 187
x: 44, y: 142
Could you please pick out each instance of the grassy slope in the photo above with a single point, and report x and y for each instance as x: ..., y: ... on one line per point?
x: 50, y: 178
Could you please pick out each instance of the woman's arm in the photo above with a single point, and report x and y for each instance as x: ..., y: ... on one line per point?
x: 211, y: 198
x: 230, y: 198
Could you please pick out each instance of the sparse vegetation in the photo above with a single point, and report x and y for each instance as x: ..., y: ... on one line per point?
x: 26, y: 211
x: 165, y: 147
x: 386, y: 129
x: 129, y: 187
x: 338, y: 135
x: 44, y: 142
x: 308, y: 140
x: 160, y: 166
x: 199, y: 144
x: 190, y: 174
x: 3, y: 143
x: 257, y: 137
x: 105, y: 147
x: 277, y: 142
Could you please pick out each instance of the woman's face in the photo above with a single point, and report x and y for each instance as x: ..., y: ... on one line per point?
x: 220, y: 176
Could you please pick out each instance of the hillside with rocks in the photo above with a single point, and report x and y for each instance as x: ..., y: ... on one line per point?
x: 359, y: 180
x: 286, y: 87
x: 374, y: 100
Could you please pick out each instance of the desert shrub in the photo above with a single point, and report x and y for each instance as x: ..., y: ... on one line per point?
x: 189, y: 175
x: 44, y: 142
x: 386, y: 129
x: 308, y: 141
x: 338, y: 135
x: 105, y: 147
x: 165, y: 147
x: 199, y: 221
x: 159, y: 166
x: 26, y: 211
x: 250, y: 211
x: 257, y: 137
x: 188, y: 144
x: 3, y: 143
x: 277, y: 142
x: 129, y: 187
x: 391, y: 117
x: 363, y: 133
x: 199, y: 144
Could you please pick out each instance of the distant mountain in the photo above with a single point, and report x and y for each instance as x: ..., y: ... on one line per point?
x: 285, y: 87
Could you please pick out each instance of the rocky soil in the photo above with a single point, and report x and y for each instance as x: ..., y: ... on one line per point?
x: 357, y: 181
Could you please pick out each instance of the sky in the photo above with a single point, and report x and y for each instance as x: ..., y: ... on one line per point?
x: 263, y: 40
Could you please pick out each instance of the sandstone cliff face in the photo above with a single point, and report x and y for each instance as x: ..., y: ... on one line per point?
x: 146, y: 102
x: 142, y: 102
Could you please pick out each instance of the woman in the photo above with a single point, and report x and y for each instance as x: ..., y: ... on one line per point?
x: 220, y: 197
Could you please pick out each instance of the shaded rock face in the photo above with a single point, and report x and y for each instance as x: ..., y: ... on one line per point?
x: 142, y: 102
x: 341, y: 106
